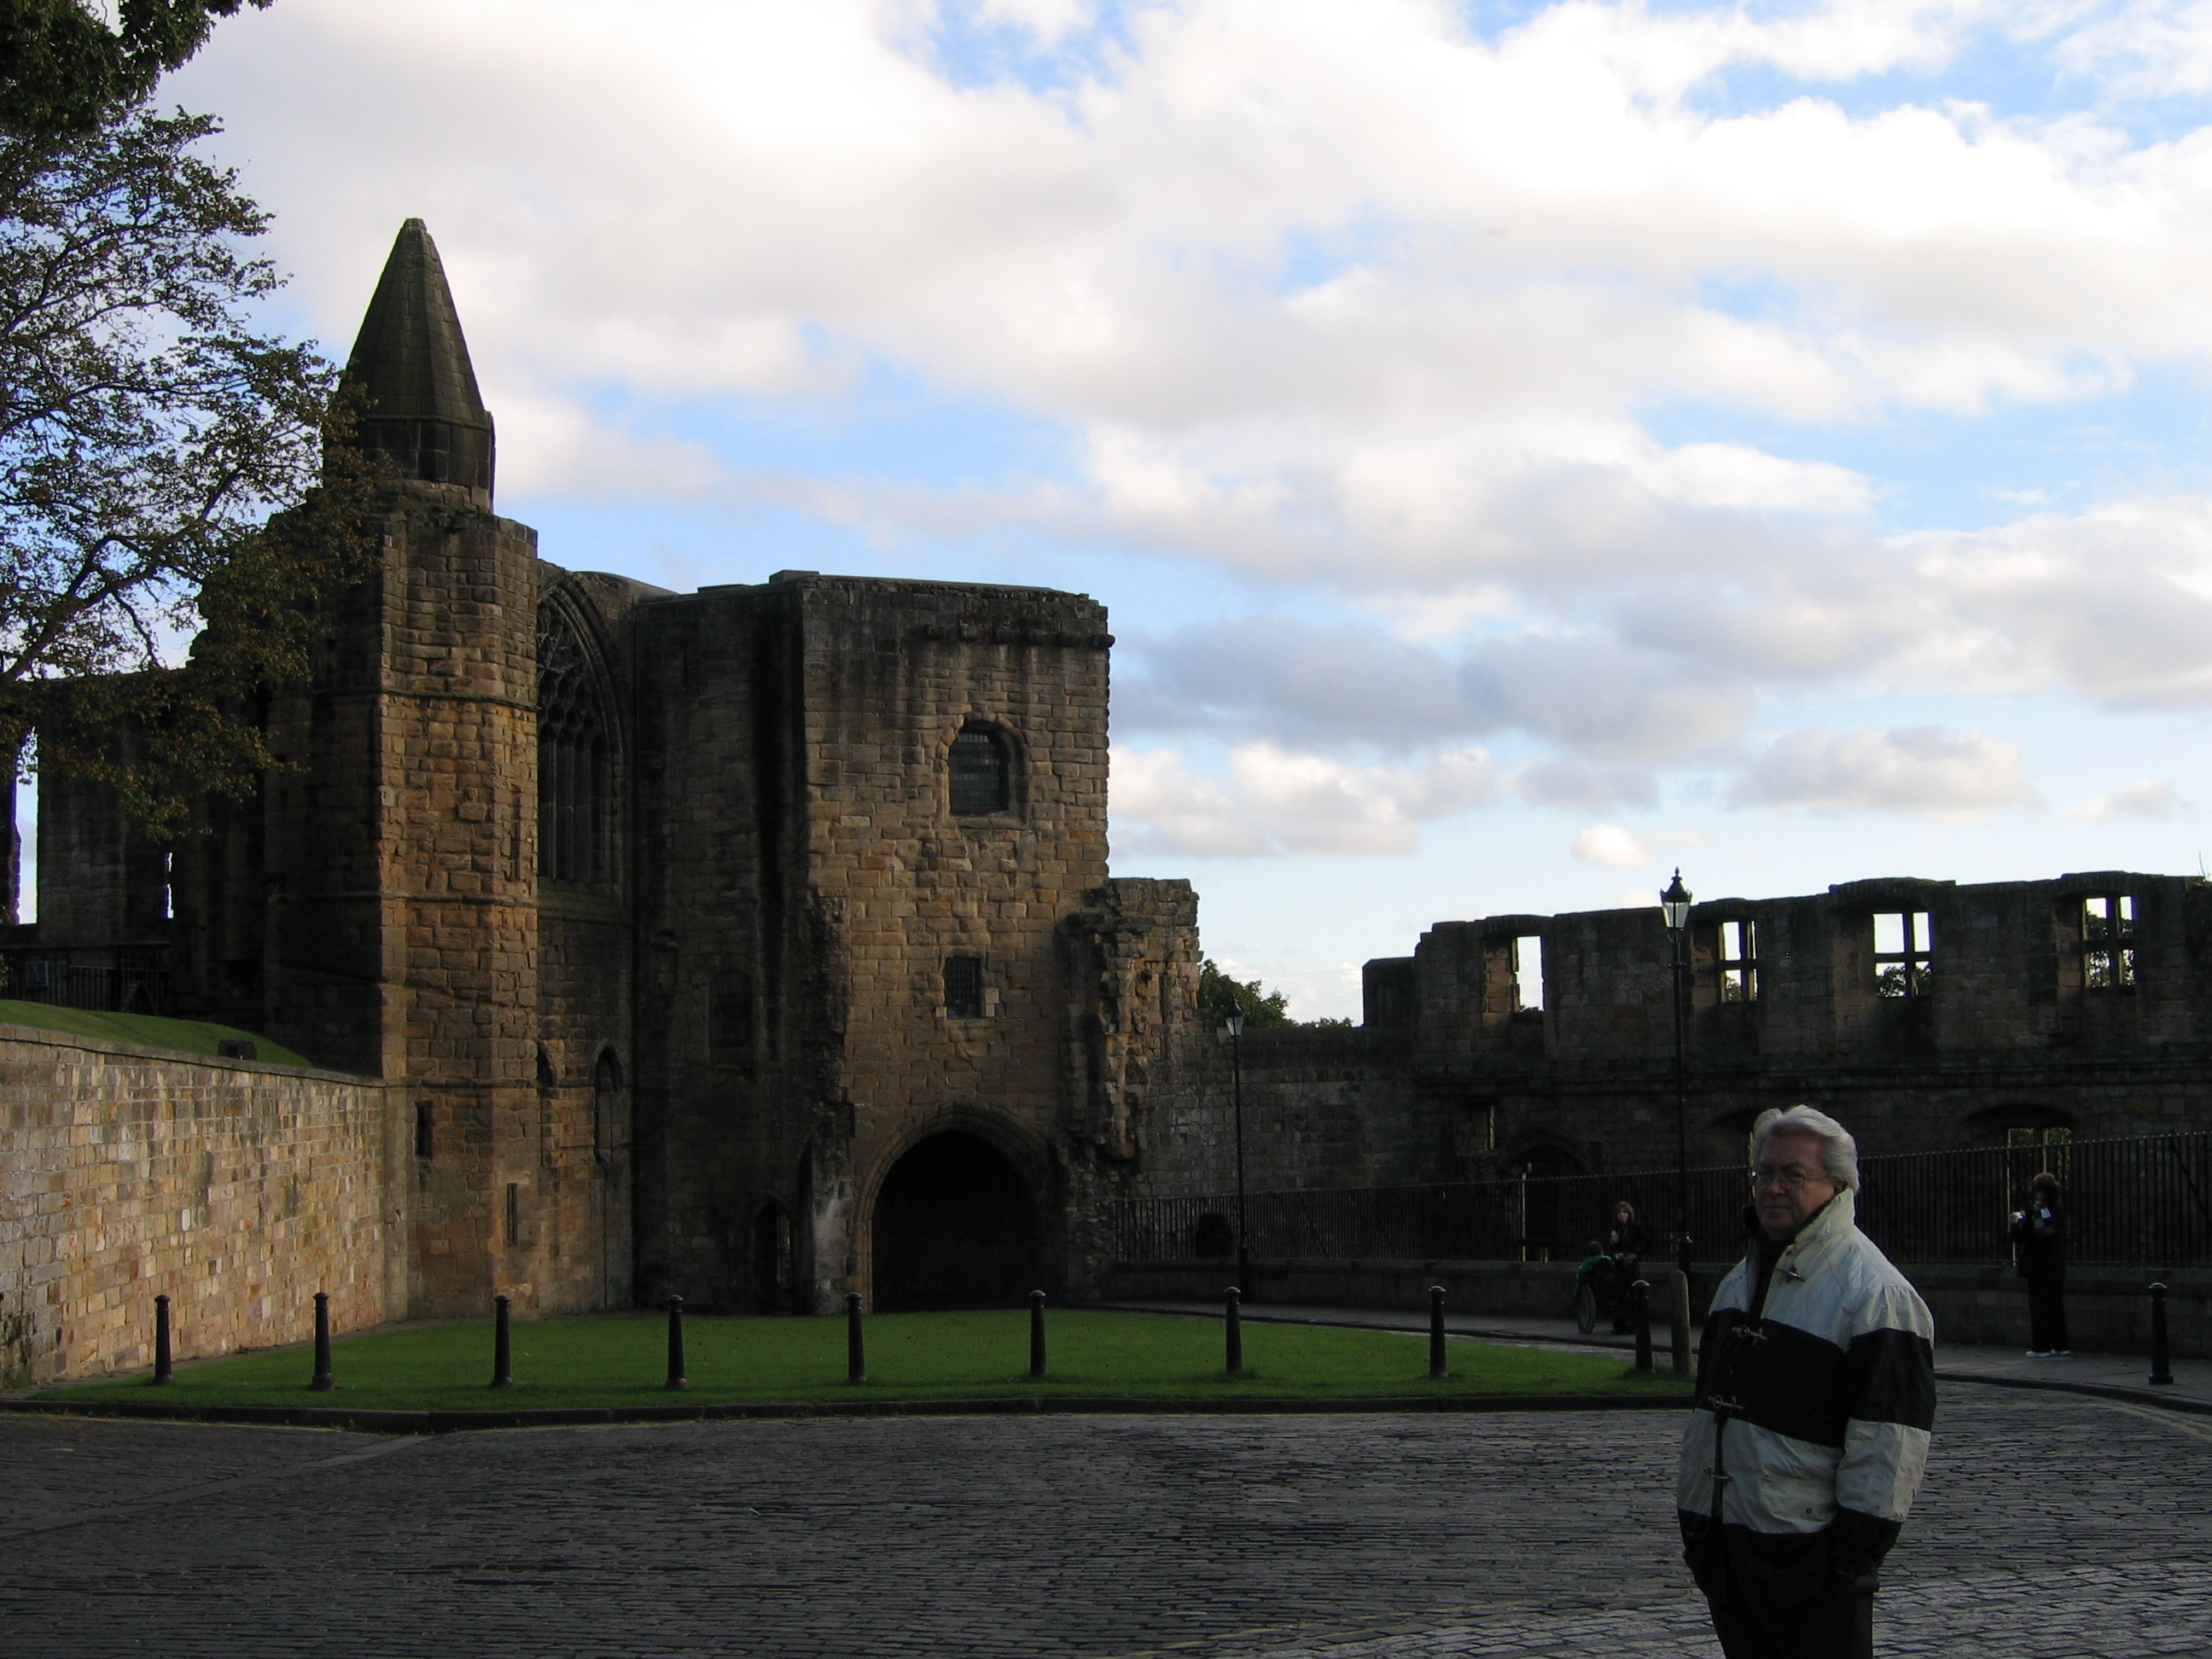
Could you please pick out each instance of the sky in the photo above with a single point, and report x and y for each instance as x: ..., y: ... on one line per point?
x: 1523, y: 447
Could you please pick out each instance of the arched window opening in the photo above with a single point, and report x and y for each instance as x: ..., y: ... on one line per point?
x: 575, y: 757
x: 733, y: 1021
x: 609, y: 1131
x: 980, y: 780
x: 772, y: 1263
x: 548, y: 1078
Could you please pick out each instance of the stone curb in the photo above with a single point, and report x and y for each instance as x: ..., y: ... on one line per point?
x: 2171, y: 1403
x: 453, y: 1422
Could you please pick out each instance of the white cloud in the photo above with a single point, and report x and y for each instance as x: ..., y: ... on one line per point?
x: 1609, y: 843
x: 1921, y: 769
x: 1050, y: 21
x: 2149, y: 798
x: 1624, y: 849
x: 1275, y: 802
x: 1349, y: 297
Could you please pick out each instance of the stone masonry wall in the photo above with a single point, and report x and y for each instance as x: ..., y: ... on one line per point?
x: 895, y: 671
x: 237, y: 1190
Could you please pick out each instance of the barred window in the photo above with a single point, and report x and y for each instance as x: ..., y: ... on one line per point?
x: 980, y: 781
x: 1736, y: 962
x: 574, y: 744
x: 2108, y: 947
x: 964, y: 988
x: 1904, y: 953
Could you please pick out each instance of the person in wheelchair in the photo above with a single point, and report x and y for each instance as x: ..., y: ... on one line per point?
x: 1625, y: 1242
x: 1595, y: 1287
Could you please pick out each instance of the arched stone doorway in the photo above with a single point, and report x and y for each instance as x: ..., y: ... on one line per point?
x: 955, y: 1226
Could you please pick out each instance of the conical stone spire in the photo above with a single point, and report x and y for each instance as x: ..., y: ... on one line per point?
x: 411, y: 366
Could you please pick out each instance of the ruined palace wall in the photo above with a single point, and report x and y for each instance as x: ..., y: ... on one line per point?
x: 236, y: 1188
x: 1330, y: 1106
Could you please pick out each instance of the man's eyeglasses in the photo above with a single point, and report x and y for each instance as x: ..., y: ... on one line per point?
x: 1789, y: 1176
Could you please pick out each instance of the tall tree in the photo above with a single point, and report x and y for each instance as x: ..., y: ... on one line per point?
x: 63, y: 65
x: 1220, y: 996
x: 147, y: 433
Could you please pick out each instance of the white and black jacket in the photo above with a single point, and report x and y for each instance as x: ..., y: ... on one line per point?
x: 1816, y: 1392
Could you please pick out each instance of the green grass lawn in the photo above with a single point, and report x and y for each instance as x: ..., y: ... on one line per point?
x: 191, y: 1036
x: 621, y: 1359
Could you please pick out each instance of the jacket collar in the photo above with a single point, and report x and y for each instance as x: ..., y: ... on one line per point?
x: 1837, y: 1220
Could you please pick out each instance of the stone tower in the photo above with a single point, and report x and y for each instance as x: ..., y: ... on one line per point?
x: 401, y: 862
x: 867, y: 809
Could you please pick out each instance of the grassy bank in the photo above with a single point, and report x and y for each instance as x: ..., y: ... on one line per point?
x: 620, y: 1360
x: 191, y: 1037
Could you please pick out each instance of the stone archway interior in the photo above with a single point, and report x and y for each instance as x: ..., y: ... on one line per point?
x: 955, y: 1227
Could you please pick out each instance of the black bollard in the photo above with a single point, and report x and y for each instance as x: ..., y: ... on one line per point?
x: 1234, y: 1323
x: 502, y: 1349
x: 2162, y: 1357
x: 1436, y: 1371
x: 676, y: 1377
x: 1036, y: 1336
x: 856, y: 1354
x: 1640, y: 1298
x: 161, y: 1371
x: 322, y: 1382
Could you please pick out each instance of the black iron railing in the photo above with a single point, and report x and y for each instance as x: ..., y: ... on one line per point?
x: 127, y: 979
x: 2145, y: 1202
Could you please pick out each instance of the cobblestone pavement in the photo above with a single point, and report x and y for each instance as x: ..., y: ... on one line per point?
x: 2052, y: 1525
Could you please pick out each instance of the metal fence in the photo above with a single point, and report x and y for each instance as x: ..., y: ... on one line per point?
x: 2145, y: 1202
x: 125, y: 979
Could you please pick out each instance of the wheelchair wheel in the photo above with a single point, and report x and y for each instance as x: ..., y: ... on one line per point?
x: 1585, y: 1309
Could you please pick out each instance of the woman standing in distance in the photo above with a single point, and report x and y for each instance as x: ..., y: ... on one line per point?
x: 2039, y: 1236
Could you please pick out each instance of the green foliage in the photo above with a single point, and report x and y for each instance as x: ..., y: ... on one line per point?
x: 1218, y: 996
x: 620, y: 1361
x: 146, y: 434
x: 66, y: 66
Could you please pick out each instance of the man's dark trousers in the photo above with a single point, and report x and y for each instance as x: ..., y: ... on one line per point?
x: 1835, y: 1622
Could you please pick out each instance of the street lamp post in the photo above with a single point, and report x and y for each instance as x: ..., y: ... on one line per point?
x: 1232, y: 1033
x: 1674, y: 901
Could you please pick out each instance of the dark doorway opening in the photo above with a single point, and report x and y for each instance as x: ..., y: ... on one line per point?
x: 954, y: 1228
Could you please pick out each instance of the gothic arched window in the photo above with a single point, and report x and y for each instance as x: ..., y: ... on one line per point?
x: 575, y: 783
x: 981, y: 783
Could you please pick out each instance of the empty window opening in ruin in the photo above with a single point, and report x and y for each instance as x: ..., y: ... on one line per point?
x: 426, y: 1130
x: 980, y: 775
x: 1529, y: 973
x: 575, y: 742
x: 514, y: 1212
x: 1904, y: 953
x: 1736, y: 962
x: 733, y: 1020
x: 964, y: 988
x: 2108, y: 949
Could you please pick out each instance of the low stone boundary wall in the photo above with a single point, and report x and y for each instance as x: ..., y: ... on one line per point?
x: 2107, y: 1309
x: 237, y: 1189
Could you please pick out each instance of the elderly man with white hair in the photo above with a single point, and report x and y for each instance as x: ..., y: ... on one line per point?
x: 1816, y: 1392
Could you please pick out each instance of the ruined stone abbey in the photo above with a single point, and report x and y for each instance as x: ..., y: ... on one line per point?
x: 758, y: 945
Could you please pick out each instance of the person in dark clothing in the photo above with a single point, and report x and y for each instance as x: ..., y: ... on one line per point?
x: 1625, y: 1242
x: 2038, y: 1237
